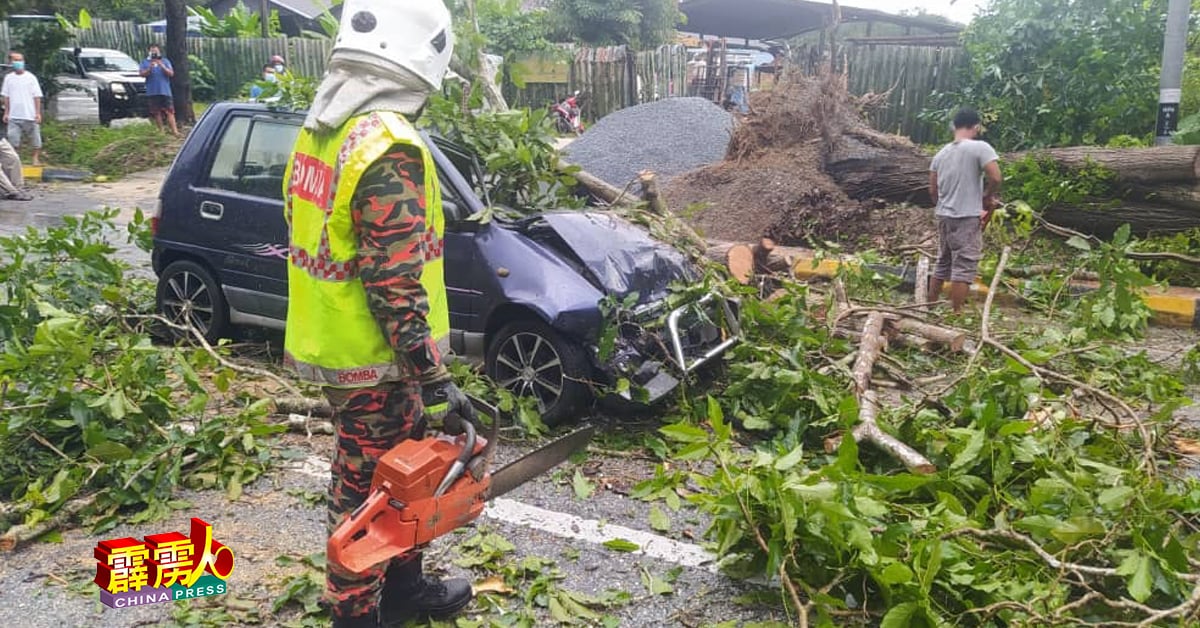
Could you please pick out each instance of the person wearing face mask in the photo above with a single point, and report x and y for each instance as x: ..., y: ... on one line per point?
x: 278, y: 64
x: 158, y: 72
x: 268, y: 76
x: 22, y: 96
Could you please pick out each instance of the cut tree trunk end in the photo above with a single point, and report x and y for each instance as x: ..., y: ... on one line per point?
x: 650, y: 193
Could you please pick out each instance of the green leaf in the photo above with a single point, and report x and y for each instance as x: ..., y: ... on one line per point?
x: 899, y: 615
x: 684, y: 433
x: 109, y: 451
x: 582, y: 486
x: 1077, y: 529
x: 896, y: 573
x: 1141, y: 582
x: 559, y: 612
x: 659, y: 520
x: 234, y: 490
x: 622, y: 545
x: 1077, y: 242
x: 655, y: 585
x: 970, y: 453
x: 791, y: 459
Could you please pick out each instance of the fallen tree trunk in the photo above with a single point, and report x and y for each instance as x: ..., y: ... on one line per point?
x: 1160, y: 164
x: 600, y: 188
x: 951, y: 338
x: 776, y: 259
x: 1181, y: 195
x: 1158, y: 177
x: 1143, y: 219
x: 868, y: 430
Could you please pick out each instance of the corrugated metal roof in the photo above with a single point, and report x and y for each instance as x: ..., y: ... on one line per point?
x: 305, y: 8
x: 780, y: 19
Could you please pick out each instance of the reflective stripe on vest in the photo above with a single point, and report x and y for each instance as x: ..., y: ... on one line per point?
x: 332, y: 337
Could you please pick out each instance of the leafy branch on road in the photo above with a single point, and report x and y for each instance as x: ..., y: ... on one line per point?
x: 96, y: 418
x: 1042, y: 509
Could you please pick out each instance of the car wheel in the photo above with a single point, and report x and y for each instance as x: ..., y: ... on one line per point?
x: 531, y: 359
x: 188, y: 294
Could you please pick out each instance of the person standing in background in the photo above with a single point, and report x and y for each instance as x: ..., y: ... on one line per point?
x: 158, y: 72
x: 964, y: 204
x: 22, y: 96
x: 268, y: 75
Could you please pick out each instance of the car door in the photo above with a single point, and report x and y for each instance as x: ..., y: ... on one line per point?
x: 77, y: 99
x: 240, y: 202
x: 459, y: 202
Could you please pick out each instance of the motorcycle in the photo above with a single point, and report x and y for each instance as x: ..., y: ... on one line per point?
x: 568, y: 118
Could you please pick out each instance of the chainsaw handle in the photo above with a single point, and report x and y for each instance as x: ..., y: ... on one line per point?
x: 464, y: 456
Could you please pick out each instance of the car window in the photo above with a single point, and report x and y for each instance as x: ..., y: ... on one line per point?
x: 466, y: 166
x: 253, y: 156
x: 108, y: 63
x: 65, y: 63
x: 229, y: 154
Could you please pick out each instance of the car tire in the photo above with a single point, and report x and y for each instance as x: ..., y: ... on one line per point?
x: 528, y: 357
x: 188, y: 291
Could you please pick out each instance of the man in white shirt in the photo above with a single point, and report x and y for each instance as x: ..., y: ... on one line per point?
x: 22, y: 96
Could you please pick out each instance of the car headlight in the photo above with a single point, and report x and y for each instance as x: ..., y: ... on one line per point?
x: 117, y: 88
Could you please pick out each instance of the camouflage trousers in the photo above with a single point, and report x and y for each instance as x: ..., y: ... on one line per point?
x: 369, y: 421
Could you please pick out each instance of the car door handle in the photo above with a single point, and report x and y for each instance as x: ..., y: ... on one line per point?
x: 211, y: 210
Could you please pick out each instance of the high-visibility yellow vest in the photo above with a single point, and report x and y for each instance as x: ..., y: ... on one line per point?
x: 332, y: 337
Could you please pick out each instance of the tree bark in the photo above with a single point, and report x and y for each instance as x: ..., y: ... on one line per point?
x: 1132, y: 165
x: 1182, y: 195
x: 177, y: 52
x: 1168, y: 174
x: 1143, y: 218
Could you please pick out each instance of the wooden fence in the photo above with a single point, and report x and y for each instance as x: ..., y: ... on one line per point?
x: 234, y: 61
x: 609, y: 78
x: 913, y: 73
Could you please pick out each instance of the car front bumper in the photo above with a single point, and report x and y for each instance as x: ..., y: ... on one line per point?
x: 654, y: 359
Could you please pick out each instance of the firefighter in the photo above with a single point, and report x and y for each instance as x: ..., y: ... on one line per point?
x: 367, y: 313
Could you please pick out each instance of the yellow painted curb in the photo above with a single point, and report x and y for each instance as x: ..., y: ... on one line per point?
x: 1177, y: 308
x: 32, y: 173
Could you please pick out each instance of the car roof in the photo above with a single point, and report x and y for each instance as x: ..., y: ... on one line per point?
x: 94, y: 51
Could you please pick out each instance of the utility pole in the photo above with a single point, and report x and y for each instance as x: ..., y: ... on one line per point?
x: 1171, y: 80
x: 265, y: 11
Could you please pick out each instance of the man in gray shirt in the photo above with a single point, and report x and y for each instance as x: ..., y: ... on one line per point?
x: 964, y: 203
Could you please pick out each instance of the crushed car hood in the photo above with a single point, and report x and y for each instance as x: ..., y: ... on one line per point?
x: 621, y: 257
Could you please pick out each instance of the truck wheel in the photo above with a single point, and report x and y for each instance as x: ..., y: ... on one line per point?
x: 188, y: 294
x: 532, y: 360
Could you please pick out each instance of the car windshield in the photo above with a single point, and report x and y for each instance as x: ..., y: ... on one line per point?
x: 108, y: 63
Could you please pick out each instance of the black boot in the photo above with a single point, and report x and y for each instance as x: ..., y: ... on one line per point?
x: 409, y: 594
x: 361, y: 621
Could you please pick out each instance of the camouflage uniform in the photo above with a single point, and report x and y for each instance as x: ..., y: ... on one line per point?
x: 388, y: 209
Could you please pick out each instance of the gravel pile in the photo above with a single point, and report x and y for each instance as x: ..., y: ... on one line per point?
x: 670, y: 137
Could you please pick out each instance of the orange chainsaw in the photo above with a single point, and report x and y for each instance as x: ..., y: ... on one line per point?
x: 424, y: 488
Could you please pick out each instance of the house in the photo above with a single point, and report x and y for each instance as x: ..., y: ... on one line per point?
x: 295, y: 16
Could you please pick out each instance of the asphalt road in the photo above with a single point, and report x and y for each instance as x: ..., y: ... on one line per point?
x: 48, y: 585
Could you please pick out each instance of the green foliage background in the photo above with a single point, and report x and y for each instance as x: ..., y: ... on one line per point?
x: 1062, y: 72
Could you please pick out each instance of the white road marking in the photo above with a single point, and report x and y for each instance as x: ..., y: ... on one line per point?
x: 592, y: 531
x: 564, y: 525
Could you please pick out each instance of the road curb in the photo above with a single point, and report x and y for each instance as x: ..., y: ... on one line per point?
x: 43, y: 173
x: 1170, y: 307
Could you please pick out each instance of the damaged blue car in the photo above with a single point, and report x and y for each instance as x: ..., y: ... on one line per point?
x: 525, y: 296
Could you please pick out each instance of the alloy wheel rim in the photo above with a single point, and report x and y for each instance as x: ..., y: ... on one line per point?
x: 528, y: 365
x: 188, y: 301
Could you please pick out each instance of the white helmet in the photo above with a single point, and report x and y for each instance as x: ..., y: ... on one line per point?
x: 416, y: 35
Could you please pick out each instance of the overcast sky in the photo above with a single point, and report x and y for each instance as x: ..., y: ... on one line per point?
x: 957, y: 10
